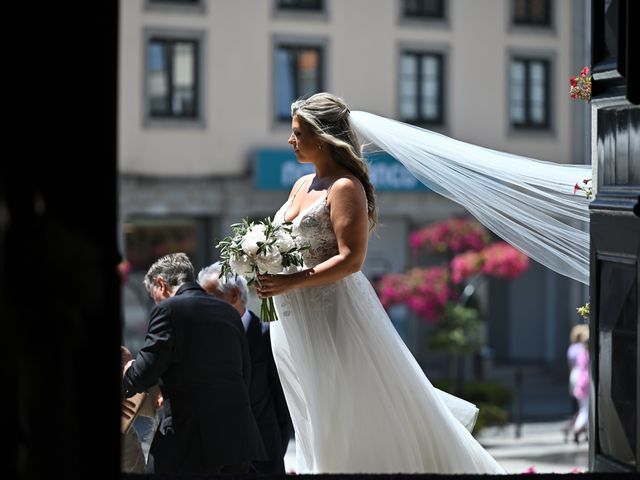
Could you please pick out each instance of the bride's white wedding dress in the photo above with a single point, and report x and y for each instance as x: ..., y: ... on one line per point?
x: 359, y: 401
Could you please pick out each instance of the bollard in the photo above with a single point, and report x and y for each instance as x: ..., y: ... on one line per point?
x: 518, y: 385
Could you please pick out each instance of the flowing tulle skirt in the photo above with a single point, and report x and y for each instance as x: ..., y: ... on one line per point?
x: 359, y: 401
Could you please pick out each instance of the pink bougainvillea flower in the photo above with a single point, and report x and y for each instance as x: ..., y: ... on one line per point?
x: 427, y: 291
x: 465, y: 266
x: 501, y: 260
x: 424, y: 290
x: 451, y: 235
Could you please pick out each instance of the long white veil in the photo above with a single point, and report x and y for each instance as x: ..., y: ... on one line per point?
x: 528, y: 203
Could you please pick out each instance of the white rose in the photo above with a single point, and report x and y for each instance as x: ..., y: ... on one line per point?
x: 284, y: 241
x: 269, y: 262
x: 240, y: 264
x: 250, y: 241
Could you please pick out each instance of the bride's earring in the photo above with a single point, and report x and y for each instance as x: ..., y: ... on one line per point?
x: 319, y: 146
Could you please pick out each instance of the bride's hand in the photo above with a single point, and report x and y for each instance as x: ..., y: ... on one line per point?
x: 272, y: 285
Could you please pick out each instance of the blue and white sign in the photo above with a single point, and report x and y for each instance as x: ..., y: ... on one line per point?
x: 278, y: 169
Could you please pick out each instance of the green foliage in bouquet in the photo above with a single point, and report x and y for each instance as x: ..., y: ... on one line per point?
x: 259, y: 248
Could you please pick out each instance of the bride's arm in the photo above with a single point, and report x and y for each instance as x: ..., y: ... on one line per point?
x: 350, y: 222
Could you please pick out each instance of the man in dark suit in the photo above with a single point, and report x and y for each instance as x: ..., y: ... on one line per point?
x: 267, y: 398
x: 196, y: 350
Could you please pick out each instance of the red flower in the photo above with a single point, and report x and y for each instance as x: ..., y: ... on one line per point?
x: 581, y: 85
x: 588, y: 190
x: 124, y: 267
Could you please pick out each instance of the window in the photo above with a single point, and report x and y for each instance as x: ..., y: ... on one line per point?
x: 423, y: 9
x: 176, y: 6
x: 532, y: 12
x: 529, y: 93
x: 172, y: 72
x: 421, y: 88
x: 299, y: 72
x: 179, y: 2
x: 304, y: 5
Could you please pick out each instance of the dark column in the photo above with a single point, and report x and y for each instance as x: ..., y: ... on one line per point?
x: 615, y: 240
x: 60, y: 304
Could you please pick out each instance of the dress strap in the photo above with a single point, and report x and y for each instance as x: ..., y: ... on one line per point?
x: 296, y: 192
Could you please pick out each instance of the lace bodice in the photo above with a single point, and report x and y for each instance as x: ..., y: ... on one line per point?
x: 313, y: 226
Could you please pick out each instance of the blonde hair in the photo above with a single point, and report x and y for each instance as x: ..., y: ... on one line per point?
x: 579, y: 333
x: 328, y: 117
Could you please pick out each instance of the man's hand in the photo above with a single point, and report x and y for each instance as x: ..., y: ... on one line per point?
x: 126, y: 354
x: 127, y: 409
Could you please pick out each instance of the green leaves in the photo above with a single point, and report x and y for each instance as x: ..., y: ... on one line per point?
x: 584, y: 311
x: 459, y: 330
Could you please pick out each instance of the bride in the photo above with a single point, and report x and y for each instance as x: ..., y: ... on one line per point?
x: 359, y: 401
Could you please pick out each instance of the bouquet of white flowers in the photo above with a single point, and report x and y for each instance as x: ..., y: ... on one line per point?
x: 257, y: 249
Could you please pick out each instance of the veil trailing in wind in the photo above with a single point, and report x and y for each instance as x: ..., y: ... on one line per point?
x: 528, y: 203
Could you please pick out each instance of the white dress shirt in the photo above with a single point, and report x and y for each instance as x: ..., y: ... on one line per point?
x: 246, y: 319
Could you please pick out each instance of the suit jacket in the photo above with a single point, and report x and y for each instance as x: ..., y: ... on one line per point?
x: 267, y: 399
x: 197, y: 351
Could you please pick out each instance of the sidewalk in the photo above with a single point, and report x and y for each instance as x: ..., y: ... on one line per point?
x: 541, y: 446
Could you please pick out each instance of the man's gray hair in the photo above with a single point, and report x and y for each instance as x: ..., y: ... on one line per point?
x: 175, y: 268
x: 226, y: 283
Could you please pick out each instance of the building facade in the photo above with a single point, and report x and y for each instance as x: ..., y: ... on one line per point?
x: 204, y: 103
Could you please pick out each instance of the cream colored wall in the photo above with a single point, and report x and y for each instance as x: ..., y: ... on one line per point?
x: 235, y: 92
x: 363, y: 43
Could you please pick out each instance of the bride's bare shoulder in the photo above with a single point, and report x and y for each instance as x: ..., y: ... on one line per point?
x: 347, y: 184
x: 298, y: 184
x: 347, y: 187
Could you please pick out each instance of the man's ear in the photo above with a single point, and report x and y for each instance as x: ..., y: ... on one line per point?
x: 234, y: 296
x: 162, y: 284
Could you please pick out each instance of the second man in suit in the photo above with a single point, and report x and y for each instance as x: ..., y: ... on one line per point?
x: 267, y: 398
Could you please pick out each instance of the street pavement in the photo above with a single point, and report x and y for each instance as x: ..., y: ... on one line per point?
x: 540, y: 449
x: 541, y: 446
